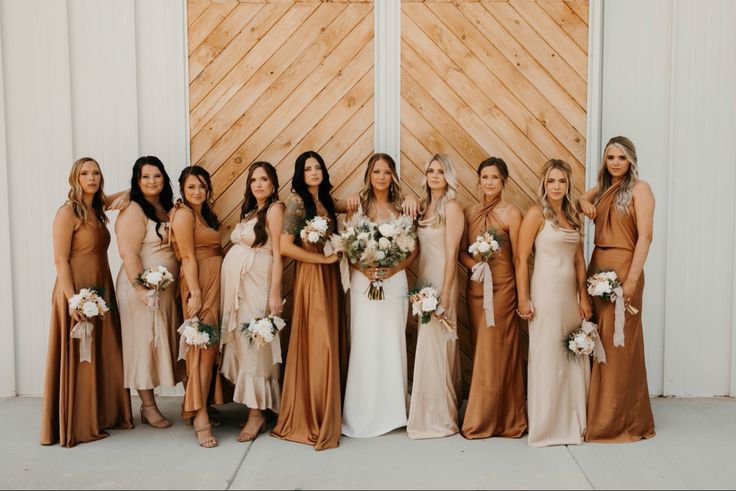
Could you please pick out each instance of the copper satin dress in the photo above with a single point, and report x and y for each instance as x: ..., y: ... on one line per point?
x: 496, y: 403
x: 310, y: 411
x: 618, y: 401
x: 208, y: 253
x: 82, y: 399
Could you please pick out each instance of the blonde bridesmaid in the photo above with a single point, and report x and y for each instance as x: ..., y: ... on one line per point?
x: 437, y: 385
x: 149, y: 335
x: 496, y: 404
x: 251, y: 289
x: 310, y: 410
x: 196, y: 241
x: 622, y: 207
x: 558, y: 302
x: 82, y: 399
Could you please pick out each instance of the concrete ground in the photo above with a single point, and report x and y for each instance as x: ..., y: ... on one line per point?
x: 695, y: 447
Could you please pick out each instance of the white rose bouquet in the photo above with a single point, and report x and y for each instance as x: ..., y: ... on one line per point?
x: 155, y: 280
x: 197, y: 334
x: 90, y: 304
x: 486, y: 246
x: 607, y: 286
x: 315, y: 230
x: 265, y: 330
x: 586, y: 342
x: 425, y: 303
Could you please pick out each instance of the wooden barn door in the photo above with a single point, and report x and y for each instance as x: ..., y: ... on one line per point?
x: 502, y: 78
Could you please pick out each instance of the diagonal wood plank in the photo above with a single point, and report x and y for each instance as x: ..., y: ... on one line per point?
x: 568, y: 20
x: 207, y: 22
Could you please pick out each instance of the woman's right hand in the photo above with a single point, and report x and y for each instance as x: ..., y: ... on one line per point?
x: 588, y: 209
x: 525, y: 310
x: 76, y: 315
x: 194, y: 304
x: 331, y: 259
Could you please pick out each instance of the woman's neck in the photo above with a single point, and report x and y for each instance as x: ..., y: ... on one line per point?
x: 260, y: 203
x: 88, y: 199
x: 152, y: 199
x: 314, y: 191
x: 436, y: 194
x: 490, y: 198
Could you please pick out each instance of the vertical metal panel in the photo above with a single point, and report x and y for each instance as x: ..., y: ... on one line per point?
x: 387, y: 99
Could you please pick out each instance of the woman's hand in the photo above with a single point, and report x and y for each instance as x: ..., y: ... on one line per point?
x: 587, y: 208
x: 76, y: 315
x: 444, y: 304
x: 629, y: 288
x: 353, y: 203
x: 585, y: 308
x: 194, y: 304
x: 410, y: 206
x: 331, y: 259
x: 121, y: 202
x: 375, y: 274
x: 525, y: 310
x: 275, y: 303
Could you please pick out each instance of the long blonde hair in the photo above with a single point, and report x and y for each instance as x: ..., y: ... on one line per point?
x: 76, y: 193
x: 394, y: 191
x: 569, y: 202
x: 450, y: 192
x: 605, y: 180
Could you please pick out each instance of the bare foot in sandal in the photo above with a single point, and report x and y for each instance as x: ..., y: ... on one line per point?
x: 203, y: 432
x: 256, y: 424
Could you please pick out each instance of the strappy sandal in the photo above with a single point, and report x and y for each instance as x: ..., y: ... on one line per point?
x: 210, y: 442
x: 161, y: 424
x: 249, y: 437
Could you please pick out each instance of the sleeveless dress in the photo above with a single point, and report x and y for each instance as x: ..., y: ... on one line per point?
x: 376, y: 396
x: 618, y: 402
x: 150, y: 358
x: 310, y: 410
x: 208, y: 253
x: 496, y: 404
x: 246, y: 284
x: 80, y: 400
x: 437, y: 383
x: 558, y: 382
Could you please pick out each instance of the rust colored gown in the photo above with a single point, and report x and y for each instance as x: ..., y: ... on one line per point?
x: 200, y: 361
x: 310, y: 411
x: 618, y: 398
x: 496, y: 404
x: 82, y: 399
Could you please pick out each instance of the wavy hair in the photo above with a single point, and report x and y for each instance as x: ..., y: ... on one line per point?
x: 394, y: 190
x: 450, y: 191
x: 165, y: 198
x: 605, y: 180
x: 76, y: 193
x: 204, y: 177
x: 569, y: 202
x: 250, y: 203
x: 299, y: 186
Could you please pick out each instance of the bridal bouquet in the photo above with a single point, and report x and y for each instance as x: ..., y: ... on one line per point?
x: 90, y: 304
x: 486, y: 246
x: 425, y: 304
x: 265, y: 330
x: 197, y: 334
x: 585, y: 342
x: 155, y: 280
x: 315, y: 230
x: 607, y: 286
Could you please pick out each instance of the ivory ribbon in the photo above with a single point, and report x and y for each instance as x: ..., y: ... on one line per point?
x: 83, y: 331
x: 618, y: 316
x: 451, y: 330
x: 591, y: 330
x: 183, y: 346
x: 276, y: 342
x: 330, y: 249
x: 153, y: 304
x: 482, y: 274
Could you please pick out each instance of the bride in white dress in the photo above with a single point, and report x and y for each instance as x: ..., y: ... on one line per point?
x: 376, y: 396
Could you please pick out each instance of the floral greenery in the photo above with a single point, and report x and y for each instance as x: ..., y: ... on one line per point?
x: 212, y: 331
x: 418, y: 287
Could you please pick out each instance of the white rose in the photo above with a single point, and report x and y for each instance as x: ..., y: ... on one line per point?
x: 384, y: 243
x: 429, y: 304
x: 363, y: 236
x: 484, y: 247
x: 313, y: 237
x: 387, y: 229
x: 380, y: 255
x: 320, y: 224
x: 90, y: 309
x: 75, y: 301
x: 416, y: 308
x: 494, y: 245
x: 154, y: 278
x: 85, y: 292
x: 473, y: 248
x: 611, y: 275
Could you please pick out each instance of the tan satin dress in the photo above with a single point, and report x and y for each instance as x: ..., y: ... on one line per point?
x: 246, y: 284
x: 148, y: 365
x: 437, y: 383
x: 618, y: 402
x: 208, y: 253
x: 496, y: 403
x: 80, y: 400
x: 310, y: 411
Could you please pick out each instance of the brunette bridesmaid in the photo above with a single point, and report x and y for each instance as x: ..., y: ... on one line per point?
x: 496, y: 404
x: 196, y: 241
x: 149, y: 335
x: 251, y: 289
x: 622, y: 207
x: 437, y: 385
x: 310, y: 411
x: 82, y: 399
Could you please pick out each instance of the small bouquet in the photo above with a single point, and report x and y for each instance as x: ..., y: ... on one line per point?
x: 425, y: 304
x: 197, y: 334
x: 265, y: 330
x: 90, y: 304
x: 155, y: 280
x: 315, y: 230
x: 486, y: 246
x: 607, y: 286
x: 585, y: 342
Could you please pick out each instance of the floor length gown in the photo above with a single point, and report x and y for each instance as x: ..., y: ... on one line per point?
x: 496, y: 403
x: 558, y: 381
x: 82, y: 399
x: 437, y: 383
x: 246, y: 285
x: 618, y: 401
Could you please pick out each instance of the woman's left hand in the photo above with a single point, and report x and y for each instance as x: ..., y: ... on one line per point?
x: 121, y: 202
x: 410, y: 206
x: 585, y: 308
x: 629, y: 289
x: 275, y: 304
x: 444, y: 304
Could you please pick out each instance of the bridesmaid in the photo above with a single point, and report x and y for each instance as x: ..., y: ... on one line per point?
x: 496, y: 404
x: 81, y: 399
x: 251, y: 288
x: 623, y: 209
x: 310, y: 410
x: 196, y: 240
x: 376, y: 393
x: 558, y: 382
x: 149, y: 336
x: 437, y: 385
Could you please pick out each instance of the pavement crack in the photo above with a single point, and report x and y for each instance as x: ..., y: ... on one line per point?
x: 590, y: 483
x: 240, y: 464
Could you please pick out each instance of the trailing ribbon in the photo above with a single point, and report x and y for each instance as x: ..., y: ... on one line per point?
x: 153, y: 304
x: 83, y: 331
x: 330, y: 249
x: 482, y: 274
x: 599, y: 354
x: 451, y: 330
x: 183, y: 346
x: 276, y: 342
x: 618, y: 316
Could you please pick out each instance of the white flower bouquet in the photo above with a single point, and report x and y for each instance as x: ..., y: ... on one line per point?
x: 585, y: 341
x: 197, y: 334
x: 263, y: 330
x: 607, y: 286
x: 425, y: 303
x: 486, y: 246
x: 155, y: 280
x: 90, y: 304
x: 315, y: 230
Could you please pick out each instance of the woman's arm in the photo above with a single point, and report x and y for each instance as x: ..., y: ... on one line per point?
x: 584, y: 306
x: 644, y: 209
x: 586, y: 202
x: 464, y: 256
x: 130, y: 230
x: 62, y: 232
x: 274, y: 221
x: 514, y: 219
x: 454, y: 227
x: 117, y: 201
x: 293, y: 218
x: 183, y: 228
x: 530, y: 227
